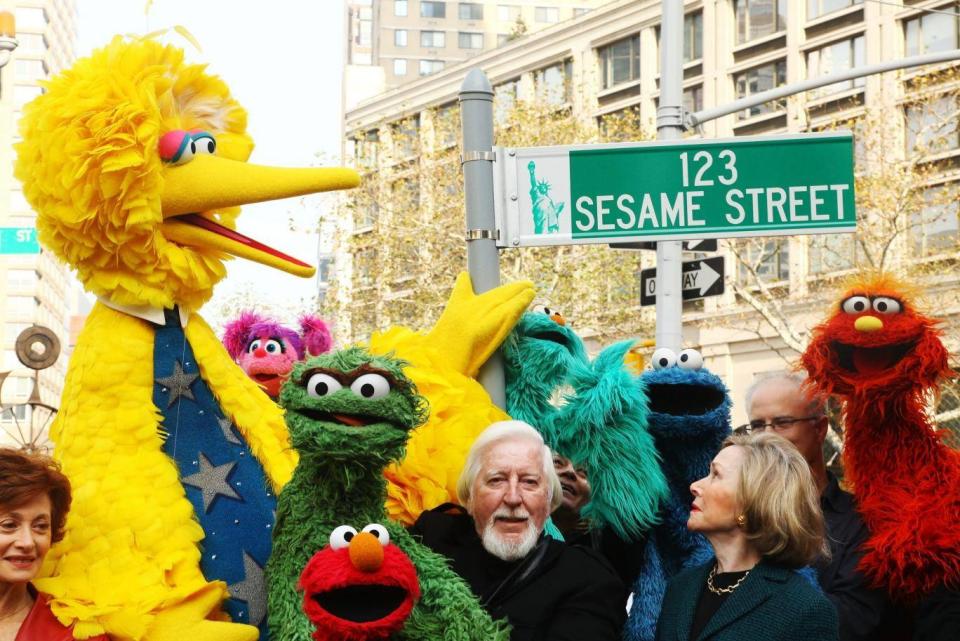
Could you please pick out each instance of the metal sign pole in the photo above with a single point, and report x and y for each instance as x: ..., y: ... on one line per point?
x: 483, y: 261
x: 670, y: 127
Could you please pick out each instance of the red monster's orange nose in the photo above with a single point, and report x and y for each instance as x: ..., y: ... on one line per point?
x: 366, y: 553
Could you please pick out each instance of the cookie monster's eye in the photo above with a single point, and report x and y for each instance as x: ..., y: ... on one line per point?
x: 856, y: 305
x: 378, y: 531
x: 254, y: 346
x: 323, y: 385
x: 663, y: 358
x: 690, y: 359
x: 371, y: 386
x: 273, y: 347
x: 341, y: 536
x: 886, y: 305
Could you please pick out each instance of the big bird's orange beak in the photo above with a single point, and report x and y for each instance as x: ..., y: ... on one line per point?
x: 210, y: 182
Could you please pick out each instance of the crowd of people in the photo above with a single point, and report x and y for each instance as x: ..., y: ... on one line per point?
x: 785, y: 539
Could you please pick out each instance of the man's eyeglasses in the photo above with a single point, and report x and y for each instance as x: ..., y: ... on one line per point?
x: 778, y: 424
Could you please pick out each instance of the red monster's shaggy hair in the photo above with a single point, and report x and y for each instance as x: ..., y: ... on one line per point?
x: 906, y: 480
x: 24, y: 476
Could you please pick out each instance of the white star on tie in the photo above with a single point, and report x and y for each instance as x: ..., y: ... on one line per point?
x: 251, y: 589
x: 212, y: 481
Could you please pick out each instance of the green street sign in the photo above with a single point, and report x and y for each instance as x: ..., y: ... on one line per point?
x: 19, y: 240
x: 675, y: 190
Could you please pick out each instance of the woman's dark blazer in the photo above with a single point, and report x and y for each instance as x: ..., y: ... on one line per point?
x: 772, y: 604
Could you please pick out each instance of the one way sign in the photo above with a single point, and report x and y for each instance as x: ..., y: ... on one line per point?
x: 701, y: 278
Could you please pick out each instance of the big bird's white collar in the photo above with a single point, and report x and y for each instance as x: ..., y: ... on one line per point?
x: 145, y: 312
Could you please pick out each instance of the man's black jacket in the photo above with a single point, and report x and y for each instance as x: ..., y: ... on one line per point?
x: 557, y: 593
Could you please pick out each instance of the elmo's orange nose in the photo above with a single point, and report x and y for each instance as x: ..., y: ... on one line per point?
x: 868, y: 324
x: 366, y: 553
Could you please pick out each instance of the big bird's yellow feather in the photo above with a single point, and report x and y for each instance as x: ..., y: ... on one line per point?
x: 108, y: 206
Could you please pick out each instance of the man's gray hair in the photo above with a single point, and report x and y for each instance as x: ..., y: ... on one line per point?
x: 818, y: 404
x: 507, y: 431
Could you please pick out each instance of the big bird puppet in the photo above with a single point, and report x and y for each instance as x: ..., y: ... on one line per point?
x: 134, y: 161
x: 882, y: 357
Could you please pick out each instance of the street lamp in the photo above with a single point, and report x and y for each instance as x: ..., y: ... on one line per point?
x: 8, y: 40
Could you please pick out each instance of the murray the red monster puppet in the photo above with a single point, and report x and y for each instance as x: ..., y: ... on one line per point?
x: 267, y: 350
x: 361, y: 587
x: 884, y: 360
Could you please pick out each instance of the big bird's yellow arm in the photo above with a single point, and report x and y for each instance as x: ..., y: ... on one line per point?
x: 135, y: 162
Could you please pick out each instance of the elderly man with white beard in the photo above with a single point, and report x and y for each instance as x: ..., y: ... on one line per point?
x: 546, y: 590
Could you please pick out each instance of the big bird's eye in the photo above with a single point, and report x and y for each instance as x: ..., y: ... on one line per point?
x: 856, y: 305
x: 886, y: 305
x: 273, y: 347
x: 341, y: 536
x: 378, y: 531
x: 176, y: 147
x: 371, y: 386
x: 321, y: 385
x: 690, y: 359
x: 253, y: 346
x: 202, y: 142
x: 663, y: 358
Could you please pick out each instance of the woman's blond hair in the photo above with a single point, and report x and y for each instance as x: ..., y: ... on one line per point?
x: 779, y: 500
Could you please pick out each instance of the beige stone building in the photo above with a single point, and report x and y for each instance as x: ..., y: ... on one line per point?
x: 34, y: 288
x: 607, y: 60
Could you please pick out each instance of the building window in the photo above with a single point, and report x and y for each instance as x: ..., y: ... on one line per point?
x: 931, y: 32
x: 833, y: 58
x: 932, y: 126
x: 934, y: 228
x: 505, y: 96
x: 546, y: 14
x: 399, y: 67
x: 433, y: 39
x: 471, y: 11
x: 620, y: 61
x: 31, y: 18
x: 692, y: 36
x: 580, y: 11
x: 758, y: 18
x: 324, y: 265
x: 30, y: 70
x: 817, y: 8
x: 508, y: 12
x: 553, y: 84
x: 831, y: 253
x: 470, y: 40
x: 758, y: 79
x: 400, y: 37
x: 400, y: 8
x: 430, y: 9
x: 693, y: 99
x: 428, y: 67
x: 503, y: 38
x: 32, y: 42
x: 768, y: 257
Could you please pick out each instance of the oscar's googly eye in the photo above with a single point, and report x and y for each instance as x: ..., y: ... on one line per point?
x: 253, y: 346
x: 663, y: 358
x: 371, y: 386
x: 690, y: 359
x: 378, y: 531
x: 341, y: 536
x: 856, y: 305
x: 320, y: 385
x: 885, y: 305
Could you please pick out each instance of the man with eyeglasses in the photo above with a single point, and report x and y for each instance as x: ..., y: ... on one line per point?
x: 777, y: 402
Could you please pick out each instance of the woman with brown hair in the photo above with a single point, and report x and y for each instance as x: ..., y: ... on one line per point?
x: 34, y: 500
x: 759, y: 509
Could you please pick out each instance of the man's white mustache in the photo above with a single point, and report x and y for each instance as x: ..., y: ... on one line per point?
x: 505, y: 513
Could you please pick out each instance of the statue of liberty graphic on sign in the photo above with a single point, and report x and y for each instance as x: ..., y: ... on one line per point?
x: 546, y: 213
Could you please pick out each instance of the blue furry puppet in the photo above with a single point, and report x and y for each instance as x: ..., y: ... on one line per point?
x: 601, y: 424
x: 689, y: 416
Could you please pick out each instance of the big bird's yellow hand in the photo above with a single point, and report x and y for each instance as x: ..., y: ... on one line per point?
x: 187, y: 621
x: 472, y: 327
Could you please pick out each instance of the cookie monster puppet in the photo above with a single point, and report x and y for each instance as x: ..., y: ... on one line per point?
x: 688, y: 417
x: 266, y: 350
x: 135, y: 162
x: 350, y: 414
x: 599, y: 423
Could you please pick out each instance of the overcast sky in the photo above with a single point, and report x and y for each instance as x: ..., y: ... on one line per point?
x: 283, y: 61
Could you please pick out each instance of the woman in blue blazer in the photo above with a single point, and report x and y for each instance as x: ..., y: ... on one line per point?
x: 760, y: 511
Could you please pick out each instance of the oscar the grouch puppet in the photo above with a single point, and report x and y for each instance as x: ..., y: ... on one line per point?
x: 350, y: 414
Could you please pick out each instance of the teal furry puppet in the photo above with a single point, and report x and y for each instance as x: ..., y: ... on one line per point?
x: 599, y: 423
x: 349, y: 415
